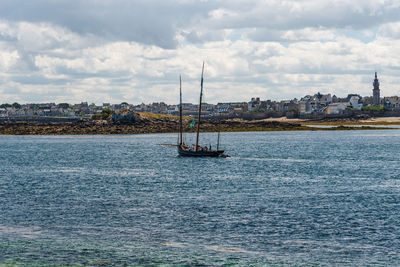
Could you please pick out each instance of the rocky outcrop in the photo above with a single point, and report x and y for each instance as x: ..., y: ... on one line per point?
x: 133, y: 123
x: 125, y: 117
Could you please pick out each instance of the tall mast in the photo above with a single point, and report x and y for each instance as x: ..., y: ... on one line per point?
x: 198, y: 118
x: 180, y: 111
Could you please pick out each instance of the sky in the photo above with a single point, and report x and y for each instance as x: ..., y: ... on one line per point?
x: 134, y: 51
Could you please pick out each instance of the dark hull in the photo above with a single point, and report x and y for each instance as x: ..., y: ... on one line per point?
x: 208, y: 153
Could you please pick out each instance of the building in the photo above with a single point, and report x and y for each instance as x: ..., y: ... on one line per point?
x: 376, y: 92
x: 355, y: 102
x: 223, y: 108
x: 286, y: 105
x: 304, y: 105
x: 392, y: 102
x: 254, y: 104
x: 336, y: 108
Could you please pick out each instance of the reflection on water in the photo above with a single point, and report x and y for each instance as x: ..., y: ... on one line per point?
x: 25, y: 232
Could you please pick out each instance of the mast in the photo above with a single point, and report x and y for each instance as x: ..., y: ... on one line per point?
x: 180, y: 111
x: 198, y: 123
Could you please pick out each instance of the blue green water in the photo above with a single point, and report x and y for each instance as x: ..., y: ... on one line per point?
x: 283, y: 198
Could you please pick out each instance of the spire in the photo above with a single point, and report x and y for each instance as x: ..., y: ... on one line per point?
x: 376, y: 92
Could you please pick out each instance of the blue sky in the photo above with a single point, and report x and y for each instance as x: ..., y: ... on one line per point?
x: 113, y: 51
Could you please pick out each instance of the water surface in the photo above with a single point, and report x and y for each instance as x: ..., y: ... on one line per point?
x: 283, y: 198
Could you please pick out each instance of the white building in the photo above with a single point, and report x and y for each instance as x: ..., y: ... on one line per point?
x: 337, y: 108
x: 354, y: 102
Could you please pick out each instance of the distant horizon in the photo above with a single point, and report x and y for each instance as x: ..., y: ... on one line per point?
x: 186, y: 102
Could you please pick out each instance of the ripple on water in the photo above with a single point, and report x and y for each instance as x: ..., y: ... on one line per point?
x: 292, y: 198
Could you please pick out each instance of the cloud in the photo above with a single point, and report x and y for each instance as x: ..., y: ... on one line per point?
x: 8, y: 59
x: 134, y: 51
x: 390, y: 30
x: 295, y: 35
x: 148, y: 22
x: 158, y: 22
x: 284, y: 15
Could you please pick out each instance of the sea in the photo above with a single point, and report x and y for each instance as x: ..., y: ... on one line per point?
x: 306, y: 198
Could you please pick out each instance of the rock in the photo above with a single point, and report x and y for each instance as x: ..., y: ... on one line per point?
x: 125, y: 117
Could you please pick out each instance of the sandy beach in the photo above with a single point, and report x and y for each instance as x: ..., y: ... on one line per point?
x: 340, y: 121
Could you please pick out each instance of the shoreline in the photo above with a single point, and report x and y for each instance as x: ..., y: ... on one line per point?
x: 170, y: 126
x: 341, y: 121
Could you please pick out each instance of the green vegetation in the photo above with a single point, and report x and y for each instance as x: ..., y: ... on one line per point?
x: 379, y: 108
x: 6, y: 105
x: 16, y: 105
x: 63, y: 105
x: 104, y: 115
x: 150, y: 115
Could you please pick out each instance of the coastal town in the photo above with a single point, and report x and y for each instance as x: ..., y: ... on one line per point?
x: 309, y: 106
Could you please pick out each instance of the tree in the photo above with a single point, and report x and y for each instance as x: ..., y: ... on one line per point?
x: 16, y: 105
x: 106, y: 113
x: 6, y: 105
x: 63, y: 105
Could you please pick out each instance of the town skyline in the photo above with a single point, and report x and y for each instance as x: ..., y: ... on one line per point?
x: 372, y: 89
x: 308, y: 105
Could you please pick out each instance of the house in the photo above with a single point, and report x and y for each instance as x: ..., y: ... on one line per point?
x: 286, y: 105
x: 3, y: 112
x: 304, y: 106
x: 254, y: 104
x: 355, y: 102
x: 173, y: 110
x: 223, y: 108
x: 207, y: 107
x: 392, y: 102
x: 324, y: 99
x: 337, y: 108
x: 269, y: 105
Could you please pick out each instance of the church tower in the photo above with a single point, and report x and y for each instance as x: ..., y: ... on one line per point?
x: 376, y: 92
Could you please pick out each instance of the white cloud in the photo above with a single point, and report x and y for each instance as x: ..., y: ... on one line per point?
x: 390, y: 30
x: 135, y: 51
x: 308, y: 34
x: 8, y: 58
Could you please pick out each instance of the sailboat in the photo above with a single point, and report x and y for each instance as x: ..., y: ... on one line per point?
x: 196, y: 150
